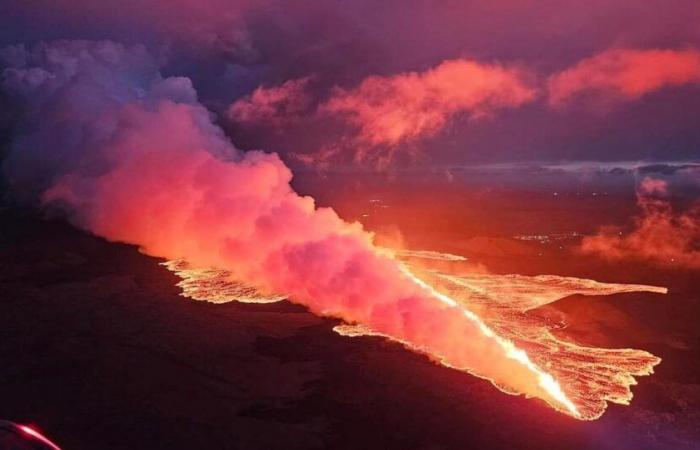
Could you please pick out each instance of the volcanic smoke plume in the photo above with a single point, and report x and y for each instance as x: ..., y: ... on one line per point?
x: 660, y: 235
x: 133, y: 157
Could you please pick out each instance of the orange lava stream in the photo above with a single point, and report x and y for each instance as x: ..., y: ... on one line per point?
x: 545, y: 380
x: 215, y: 286
x: 499, y: 306
x: 592, y: 376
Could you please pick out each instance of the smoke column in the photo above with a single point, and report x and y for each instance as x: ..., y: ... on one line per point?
x: 133, y: 157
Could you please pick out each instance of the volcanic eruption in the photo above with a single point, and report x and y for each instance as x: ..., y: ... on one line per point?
x: 132, y: 156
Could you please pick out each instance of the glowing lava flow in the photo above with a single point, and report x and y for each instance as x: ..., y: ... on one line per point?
x: 507, y: 303
x: 216, y: 286
x: 501, y: 306
x: 546, y: 381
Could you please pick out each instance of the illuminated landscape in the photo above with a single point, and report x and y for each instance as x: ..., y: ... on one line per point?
x: 591, y: 375
x: 301, y: 225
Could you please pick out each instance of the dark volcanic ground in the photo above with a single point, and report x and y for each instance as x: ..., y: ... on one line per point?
x: 98, y: 349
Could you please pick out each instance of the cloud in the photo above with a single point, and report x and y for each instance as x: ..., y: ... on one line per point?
x: 132, y: 156
x: 393, y: 110
x: 625, y: 74
x: 660, y: 234
x: 274, y: 105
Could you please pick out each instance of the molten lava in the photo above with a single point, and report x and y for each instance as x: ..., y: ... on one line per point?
x: 546, y: 381
x: 573, y: 379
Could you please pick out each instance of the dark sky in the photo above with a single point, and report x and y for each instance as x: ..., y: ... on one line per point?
x: 634, y: 92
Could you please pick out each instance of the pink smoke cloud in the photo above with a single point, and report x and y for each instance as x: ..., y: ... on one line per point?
x: 393, y: 110
x: 274, y: 105
x: 660, y: 235
x: 150, y: 168
x: 625, y: 74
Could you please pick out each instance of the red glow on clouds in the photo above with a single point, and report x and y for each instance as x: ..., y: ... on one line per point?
x: 272, y: 105
x: 397, y: 109
x: 386, y: 115
x: 660, y: 234
x: 627, y: 74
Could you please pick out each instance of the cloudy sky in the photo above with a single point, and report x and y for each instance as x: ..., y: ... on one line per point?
x: 379, y: 84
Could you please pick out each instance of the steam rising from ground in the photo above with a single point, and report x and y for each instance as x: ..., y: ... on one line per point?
x: 133, y: 157
x: 660, y: 234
